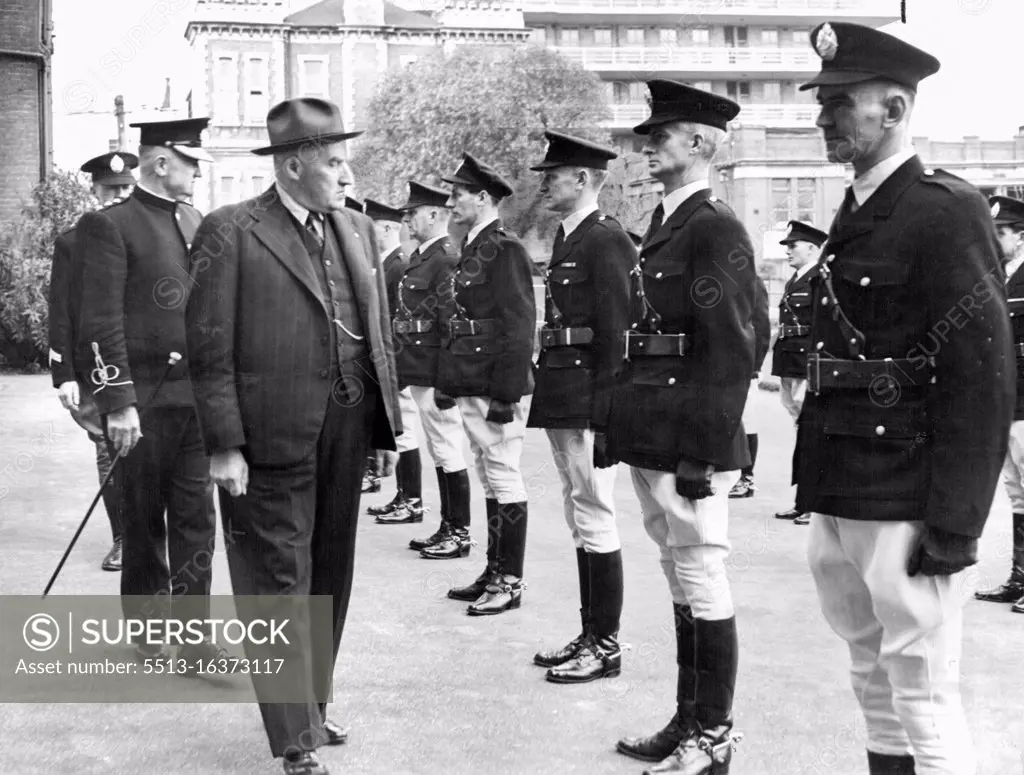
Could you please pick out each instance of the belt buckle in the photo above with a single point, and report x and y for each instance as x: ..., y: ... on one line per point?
x: 681, y: 342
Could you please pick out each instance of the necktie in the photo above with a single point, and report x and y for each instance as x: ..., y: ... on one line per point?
x: 313, y: 226
x: 559, y: 240
x: 656, y: 220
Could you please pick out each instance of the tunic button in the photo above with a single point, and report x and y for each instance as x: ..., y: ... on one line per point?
x: 929, y: 173
x: 327, y: 262
x: 357, y: 235
x: 671, y: 380
x: 633, y: 326
x: 865, y: 282
x: 565, y: 282
x: 824, y: 301
x: 331, y: 283
x: 820, y: 345
x: 417, y: 341
x: 323, y: 372
x: 880, y: 430
x: 578, y: 362
x: 831, y: 258
x: 657, y: 276
x: 478, y: 349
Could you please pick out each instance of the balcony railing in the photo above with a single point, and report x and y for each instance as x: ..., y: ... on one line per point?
x: 772, y: 116
x: 671, y: 57
x: 713, y: 7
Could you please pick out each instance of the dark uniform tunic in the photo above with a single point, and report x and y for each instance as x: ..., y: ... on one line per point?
x: 588, y: 283
x: 421, y: 311
x: 1015, y: 300
x: 394, y: 265
x: 697, y: 272
x: 63, y: 310
x: 916, y: 271
x: 489, y: 349
x: 789, y: 357
x: 762, y: 325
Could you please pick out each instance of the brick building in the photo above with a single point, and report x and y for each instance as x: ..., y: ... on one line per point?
x: 26, y: 118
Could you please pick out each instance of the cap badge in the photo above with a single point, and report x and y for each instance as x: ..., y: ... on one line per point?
x: 826, y: 43
x: 789, y: 231
x: 995, y: 209
x: 116, y: 164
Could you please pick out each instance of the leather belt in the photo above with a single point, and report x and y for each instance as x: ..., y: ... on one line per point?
x: 471, y: 327
x: 842, y: 374
x: 656, y: 344
x: 413, y: 326
x: 561, y: 337
x: 787, y: 331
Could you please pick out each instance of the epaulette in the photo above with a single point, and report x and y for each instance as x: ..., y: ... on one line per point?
x: 946, y: 180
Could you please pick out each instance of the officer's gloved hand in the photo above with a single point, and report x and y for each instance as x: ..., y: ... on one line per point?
x: 693, y: 479
x: 940, y: 553
x: 443, y: 401
x: 500, y: 412
x: 601, y: 457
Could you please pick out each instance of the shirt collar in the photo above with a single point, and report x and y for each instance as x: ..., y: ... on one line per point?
x: 802, y: 271
x: 427, y: 243
x: 572, y: 221
x: 868, y: 183
x: 153, y: 193
x: 298, y: 212
x: 475, y: 231
x: 672, y: 201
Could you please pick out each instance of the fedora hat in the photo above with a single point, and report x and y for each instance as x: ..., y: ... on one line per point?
x: 294, y: 123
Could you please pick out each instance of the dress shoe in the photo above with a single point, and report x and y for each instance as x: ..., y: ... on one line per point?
x: 334, y: 733
x: 600, y: 657
x: 419, y: 544
x: 1009, y: 592
x: 411, y: 510
x: 1018, y: 607
x: 503, y: 594
x: 560, y: 656
x: 474, y: 591
x: 744, y: 488
x: 112, y: 561
x: 304, y: 763
x: 700, y: 753
x: 371, y: 483
x: 788, y: 514
x: 455, y: 545
x: 803, y: 519
x: 654, y: 748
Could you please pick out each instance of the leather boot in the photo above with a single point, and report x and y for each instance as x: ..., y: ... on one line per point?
x: 654, y: 748
x: 419, y: 544
x: 371, y: 477
x: 569, y: 651
x: 456, y: 544
x: 887, y: 764
x: 707, y: 752
x: 112, y: 561
x: 1013, y: 589
x: 412, y: 474
x: 601, y: 655
x: 504, y: 593
x: 476, y: 590
x: 395, y: 503
x: 513, y: 538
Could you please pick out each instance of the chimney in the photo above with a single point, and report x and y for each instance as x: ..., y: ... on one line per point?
x: 167, y: 95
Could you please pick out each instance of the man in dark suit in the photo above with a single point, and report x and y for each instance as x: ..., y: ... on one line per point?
x: 745, y: 487
x: 133, y: 260
x: 586, y: 312
x: 909, y: 404
x: 422, y: 309
x: 789, y: 358
x: 1008, y: 215
x: 295, y: 382
x: 676, y: 417
x: 485, y: 369
x: 112, y: 179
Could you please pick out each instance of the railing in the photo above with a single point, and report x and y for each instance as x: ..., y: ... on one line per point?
x: 775, y: 116
x: 709, y: 7
x: 677, y: 58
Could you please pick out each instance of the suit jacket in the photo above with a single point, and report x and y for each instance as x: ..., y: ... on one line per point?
x: 493, y: 286
x: 916, y: 270
x: 423, y: 294
x: 588, y: 284
x: 1015, y: 294
x: 259, y: 331
x: 789, y: 358
x: 394, y: 265
x: 63, y: 310
x: 762, y: 325
x: 133, y: 259
x: 698, y: 275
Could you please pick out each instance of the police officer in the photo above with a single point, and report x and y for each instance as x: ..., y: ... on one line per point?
x: 111, y: 179
x: 745, y: 487
x: 1009, y: 219
x: 407, y: 505
x: 485, y: 368
x: 133, y: 259
x: 789, y: 359
x: 675, y: 420
x: 422, y: 308
x: 909, y: 402
x: 586, y: 311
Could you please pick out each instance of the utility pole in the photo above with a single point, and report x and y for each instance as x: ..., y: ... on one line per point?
x: 122, y: 139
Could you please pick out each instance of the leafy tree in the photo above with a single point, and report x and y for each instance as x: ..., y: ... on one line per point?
x: 26, y: 252
x: 495, y: 104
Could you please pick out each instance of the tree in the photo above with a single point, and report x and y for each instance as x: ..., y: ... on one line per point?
x: 26, y: 252
x: 495, y: 104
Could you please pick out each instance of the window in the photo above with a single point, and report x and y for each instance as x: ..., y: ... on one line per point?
x: 668, y: 36
x: 637, y: 91
x: 702, y: 85
x: 314, y: 80
x: 620, y: 91
x: 736, y: 37
x: 257, y: 184
x: 801, y: 38
x: 773, y: 92
x: 806, y: 199
x: 738, y: 90
x: 770, y: 37
x: 539, y: 35
x: 701, y: 36
x: 781, y: 200
x: 225, y: 88
x: 635, y: 36
x: 569, y: 36
x: 603, y: 36
x: 227, y: 191
x: 257, y: 84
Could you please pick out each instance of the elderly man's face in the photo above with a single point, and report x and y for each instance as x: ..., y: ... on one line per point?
x: 851, y: 120
x: 324, y: 175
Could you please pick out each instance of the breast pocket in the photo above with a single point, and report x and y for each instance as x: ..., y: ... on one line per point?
x: 878, y: 288
x: 669, y: 291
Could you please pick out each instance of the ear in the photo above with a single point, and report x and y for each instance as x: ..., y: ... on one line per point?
x: 896, y: 109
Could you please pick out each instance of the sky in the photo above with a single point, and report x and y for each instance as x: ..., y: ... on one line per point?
x: 108, y: 47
